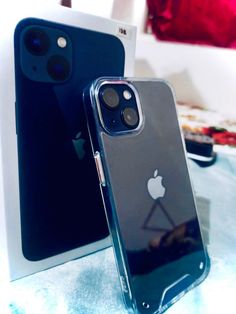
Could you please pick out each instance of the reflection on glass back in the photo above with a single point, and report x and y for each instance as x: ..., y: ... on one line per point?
x: 152, y: 201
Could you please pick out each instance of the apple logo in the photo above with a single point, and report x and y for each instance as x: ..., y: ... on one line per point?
x: 78, y: 143
x: 155, y: 187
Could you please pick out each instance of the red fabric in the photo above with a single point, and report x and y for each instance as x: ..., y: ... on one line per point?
x: 208, y: 22
x: 225, y: 138
x: 221, y: 136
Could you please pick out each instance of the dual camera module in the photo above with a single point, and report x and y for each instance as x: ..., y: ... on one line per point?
x: 118, y: 107
x: 46, y: 54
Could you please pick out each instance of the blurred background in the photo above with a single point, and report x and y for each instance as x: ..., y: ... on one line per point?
x: 192, y: 45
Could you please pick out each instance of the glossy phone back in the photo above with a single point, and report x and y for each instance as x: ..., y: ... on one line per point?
x: 60, y: 203
x: 149, y: 200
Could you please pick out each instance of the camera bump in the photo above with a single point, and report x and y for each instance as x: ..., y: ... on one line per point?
x: 46, y: 54
x: 118, y: 105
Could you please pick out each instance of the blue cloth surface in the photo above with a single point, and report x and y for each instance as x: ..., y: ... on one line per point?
x: 90, y: 285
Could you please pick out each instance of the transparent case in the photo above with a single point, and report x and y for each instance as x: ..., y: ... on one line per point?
x: 148, y: 197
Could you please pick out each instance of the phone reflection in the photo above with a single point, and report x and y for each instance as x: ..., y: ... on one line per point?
x: 180, y: 241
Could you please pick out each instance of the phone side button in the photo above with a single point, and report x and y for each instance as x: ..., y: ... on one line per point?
x: 16, y: 118
x: 124, y: 285
x: 99, y: 167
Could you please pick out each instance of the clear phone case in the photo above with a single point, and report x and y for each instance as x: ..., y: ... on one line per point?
x: 148, y: 198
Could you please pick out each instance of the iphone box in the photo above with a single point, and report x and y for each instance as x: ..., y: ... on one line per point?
x: 13, y: 264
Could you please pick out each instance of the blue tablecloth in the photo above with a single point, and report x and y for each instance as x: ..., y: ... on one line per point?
x: 90, y: 285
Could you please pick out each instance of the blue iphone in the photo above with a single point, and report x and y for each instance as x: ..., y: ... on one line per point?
x: 60, y: 203
x: 147, y: 191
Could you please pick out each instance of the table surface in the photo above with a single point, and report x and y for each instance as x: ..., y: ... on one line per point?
x: 90, y: 285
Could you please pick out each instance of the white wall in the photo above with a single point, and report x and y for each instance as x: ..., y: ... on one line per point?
x: 96, y: 7
x: 200, y: 75
x: 129, y: 11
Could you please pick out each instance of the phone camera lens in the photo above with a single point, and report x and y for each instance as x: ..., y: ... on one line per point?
x: 130, y: 117
x: 58, y: 68
x: 36, y: 41
x: 110, y: 97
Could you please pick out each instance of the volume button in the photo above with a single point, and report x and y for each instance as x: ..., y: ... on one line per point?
x: 99, y: 167
x: 124, y: 286
x: 16, y: 118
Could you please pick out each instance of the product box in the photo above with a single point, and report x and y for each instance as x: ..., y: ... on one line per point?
x: 13, y: 264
